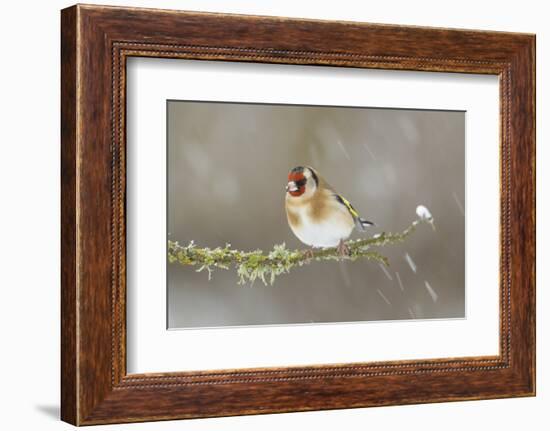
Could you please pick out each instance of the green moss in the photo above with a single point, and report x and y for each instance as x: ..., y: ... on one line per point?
x: 253, y: 265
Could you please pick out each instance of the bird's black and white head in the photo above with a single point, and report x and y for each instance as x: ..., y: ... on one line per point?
x: 303, y: 181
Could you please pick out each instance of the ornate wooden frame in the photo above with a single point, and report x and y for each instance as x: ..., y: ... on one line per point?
x: 95, y: 43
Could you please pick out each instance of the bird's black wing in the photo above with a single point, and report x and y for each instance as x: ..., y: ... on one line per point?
x: 360, y: 222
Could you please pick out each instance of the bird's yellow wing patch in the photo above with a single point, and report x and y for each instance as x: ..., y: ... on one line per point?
x: 348, y: 205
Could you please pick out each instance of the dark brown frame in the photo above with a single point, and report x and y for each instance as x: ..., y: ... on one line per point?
x: 95, y: 43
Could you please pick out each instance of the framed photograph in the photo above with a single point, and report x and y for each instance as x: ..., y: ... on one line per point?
x: 264, y: 214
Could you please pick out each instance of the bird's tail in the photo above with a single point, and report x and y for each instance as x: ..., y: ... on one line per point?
x: 362, y: 224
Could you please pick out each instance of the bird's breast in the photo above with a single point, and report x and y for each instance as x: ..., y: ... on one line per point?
x: 319, y: 231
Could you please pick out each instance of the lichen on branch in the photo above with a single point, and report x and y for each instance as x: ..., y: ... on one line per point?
x: 252, y: 265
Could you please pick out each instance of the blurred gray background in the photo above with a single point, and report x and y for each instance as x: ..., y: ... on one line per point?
x: 227, y: 170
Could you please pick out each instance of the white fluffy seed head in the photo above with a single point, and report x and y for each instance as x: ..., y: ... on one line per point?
x: 423, y: 212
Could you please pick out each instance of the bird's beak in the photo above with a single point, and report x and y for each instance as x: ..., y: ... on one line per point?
x: 291, y: 187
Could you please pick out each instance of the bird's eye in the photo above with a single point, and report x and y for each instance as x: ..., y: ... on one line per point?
x: 300, y: 183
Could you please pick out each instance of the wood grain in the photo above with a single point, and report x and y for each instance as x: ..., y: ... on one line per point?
x: 69, y: 368
x: 95, y: 42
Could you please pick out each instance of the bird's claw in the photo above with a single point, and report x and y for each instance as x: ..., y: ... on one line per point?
x: 343, y: 249
x: 309, y: 254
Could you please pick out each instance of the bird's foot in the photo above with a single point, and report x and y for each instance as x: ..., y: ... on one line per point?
x: 343, y: 249
x: 309, y: 254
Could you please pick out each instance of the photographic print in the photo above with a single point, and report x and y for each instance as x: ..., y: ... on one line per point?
x: 292, y: 214
x: 257, y: 224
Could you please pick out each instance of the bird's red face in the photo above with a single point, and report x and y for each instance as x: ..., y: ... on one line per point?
x: 296, y: 182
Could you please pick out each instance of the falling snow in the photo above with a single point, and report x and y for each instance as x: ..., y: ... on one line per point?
x: 431, y: 291
x: 386, y: 272
x: 369, y: 151
x: 399, y: 281
x: 343, y: 149
x: 410, y: 262
x: 386, y: 300
x: 458, y: 203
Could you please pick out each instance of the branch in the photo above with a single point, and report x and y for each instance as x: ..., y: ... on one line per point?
x: 251, y: 265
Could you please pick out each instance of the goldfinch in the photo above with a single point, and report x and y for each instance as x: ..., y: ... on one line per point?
x: 317, y: 215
